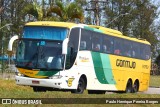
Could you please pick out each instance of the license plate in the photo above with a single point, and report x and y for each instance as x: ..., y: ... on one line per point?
x: 35, y: 82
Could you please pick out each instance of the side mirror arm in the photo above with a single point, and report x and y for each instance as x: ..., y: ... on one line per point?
x: 10, y: 45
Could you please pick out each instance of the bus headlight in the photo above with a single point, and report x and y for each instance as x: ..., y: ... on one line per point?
x: 19, y: 74
x: 56, y: 77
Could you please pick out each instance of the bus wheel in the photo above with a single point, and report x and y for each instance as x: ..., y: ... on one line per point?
x: 129, y: 87
x: 81, y: 87
x: 136, y: 86
x: 39, y: 89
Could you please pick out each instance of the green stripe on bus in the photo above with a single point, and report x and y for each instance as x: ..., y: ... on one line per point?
x: 46, y: 73
x: 98, y: 67
x: 88, y: 28
x: 107, y: 68
x: 92, y: 29
x: 102, y: 68
x: 97, y: 30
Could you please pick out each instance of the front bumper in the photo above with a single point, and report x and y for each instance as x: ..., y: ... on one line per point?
x: 52, y: 83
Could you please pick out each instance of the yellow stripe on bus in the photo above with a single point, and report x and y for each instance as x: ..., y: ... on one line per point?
x: 30, y: 73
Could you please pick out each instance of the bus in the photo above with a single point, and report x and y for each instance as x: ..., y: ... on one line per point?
x: 77, y: 57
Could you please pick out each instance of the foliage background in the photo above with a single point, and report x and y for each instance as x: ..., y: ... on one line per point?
x: 141, y: 20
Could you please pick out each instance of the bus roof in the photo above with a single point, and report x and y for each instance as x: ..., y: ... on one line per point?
x: 51, y: 23
x: 95, y: 28
x: 117, y: 33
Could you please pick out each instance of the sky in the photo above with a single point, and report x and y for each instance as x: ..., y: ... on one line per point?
x: 157, y: 3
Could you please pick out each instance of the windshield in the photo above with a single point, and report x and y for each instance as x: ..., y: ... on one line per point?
x: 45, y: 32
x: 39, y: 54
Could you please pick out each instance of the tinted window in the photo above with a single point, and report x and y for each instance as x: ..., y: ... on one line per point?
x: 113, y: 45
x: 72, y: 47
x: 85, y: 43
x: 45, y: 32
x: 96, y: 42
x: 107, y: 44
x: 145, y: 51
x: 118, y: 47
x: 39, y: 54
x: 126, y: 50
x: 135, y: 50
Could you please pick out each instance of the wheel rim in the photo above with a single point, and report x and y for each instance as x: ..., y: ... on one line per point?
x: 129, y: 87
x: 135, y: 87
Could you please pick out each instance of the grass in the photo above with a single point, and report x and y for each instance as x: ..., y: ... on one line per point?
x: 155, y: 81
x: 8, y: 89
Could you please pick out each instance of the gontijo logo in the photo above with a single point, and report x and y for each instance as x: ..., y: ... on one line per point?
x: 125, y: 63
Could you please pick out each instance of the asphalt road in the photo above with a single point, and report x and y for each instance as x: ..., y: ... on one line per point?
x: 152, y: 90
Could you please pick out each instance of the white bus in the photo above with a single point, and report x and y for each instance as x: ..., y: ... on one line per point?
x: 75, y: 57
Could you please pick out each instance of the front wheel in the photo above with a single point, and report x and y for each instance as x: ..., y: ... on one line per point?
x: 81, y: 87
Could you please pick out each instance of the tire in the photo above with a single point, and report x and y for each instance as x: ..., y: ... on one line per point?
x: 129, y: 87
x: 135, y: 87
x: 81, y: 87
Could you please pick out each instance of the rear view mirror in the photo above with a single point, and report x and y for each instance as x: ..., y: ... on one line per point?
x: 10, y: 45
x: 64, y: 46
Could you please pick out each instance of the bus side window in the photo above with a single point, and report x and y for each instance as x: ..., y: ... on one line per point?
x: 145, y: 52
x: 117, y: 51
x: 104, y: 48
x: 96, y: 47
x: 96, y: 42
x: 107, y: 44
x: 117, y: 47
x: 133, y: 53
x: 127, y: 50
x: 72, y: 47
x: 135, y: 50
x: 83, y: 45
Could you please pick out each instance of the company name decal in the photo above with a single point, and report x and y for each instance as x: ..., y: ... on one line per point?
x: 145, y: 66
x: 84, y: 59
x: 125, y: 63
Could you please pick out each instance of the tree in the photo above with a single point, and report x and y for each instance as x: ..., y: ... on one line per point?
x: 69, y: 12
x: 34, y: 11
x: 137, y: 23
x: 146, y: 13
x: 116, y: 9
x: 11, y: 13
